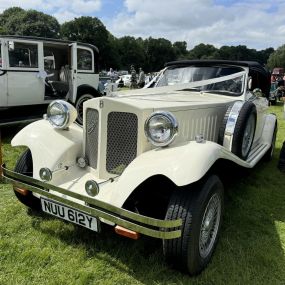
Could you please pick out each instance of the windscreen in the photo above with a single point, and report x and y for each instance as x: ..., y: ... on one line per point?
x: 225, y: 80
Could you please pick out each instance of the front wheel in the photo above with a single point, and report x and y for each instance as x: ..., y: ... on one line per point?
x: 79, y: 106
x: 24, y: 166
x: 200, y: 209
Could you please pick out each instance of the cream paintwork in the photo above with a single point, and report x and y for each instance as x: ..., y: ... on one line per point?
x: 22, y: 86
x: 182, y: 162
x: 50, y: 147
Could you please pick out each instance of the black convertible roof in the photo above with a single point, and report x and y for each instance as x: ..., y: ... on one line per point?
x: 50, y: 40
x: 251, y: 64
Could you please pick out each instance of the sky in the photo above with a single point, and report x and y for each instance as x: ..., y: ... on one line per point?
x: 258, y: 24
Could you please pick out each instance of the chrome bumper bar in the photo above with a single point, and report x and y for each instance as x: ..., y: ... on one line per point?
x: 164, y: 229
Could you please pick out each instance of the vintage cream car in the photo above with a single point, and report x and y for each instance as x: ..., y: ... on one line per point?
x: 36, y: 71
x: 146, y: 161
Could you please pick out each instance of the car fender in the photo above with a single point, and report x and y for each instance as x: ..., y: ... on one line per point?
x: 183, y: 164
x: 268, y: 128
x: 50, y: 147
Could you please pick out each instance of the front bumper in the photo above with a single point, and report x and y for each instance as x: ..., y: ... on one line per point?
x: 164, y: 229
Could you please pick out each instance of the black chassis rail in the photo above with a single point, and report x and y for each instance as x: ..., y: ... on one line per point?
x: 164, y: 229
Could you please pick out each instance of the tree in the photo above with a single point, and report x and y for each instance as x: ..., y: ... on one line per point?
x: 39, y: 24
x: 89, y: 30
x: 277, y: 58
x: 131, y: 52
x: 158, y: 52
x: 202, y: 51
x: 180, y: 50
x: 17, y: 21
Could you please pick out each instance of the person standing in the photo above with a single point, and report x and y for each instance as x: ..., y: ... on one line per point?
x: 133, y: 78
x: 111, y: 73
x: 141, y: 81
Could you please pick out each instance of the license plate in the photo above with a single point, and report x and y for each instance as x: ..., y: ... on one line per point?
x: 69, y: 214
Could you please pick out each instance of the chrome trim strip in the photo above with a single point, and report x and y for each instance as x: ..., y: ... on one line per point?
x: 231, y: 123
x: 103, y: 210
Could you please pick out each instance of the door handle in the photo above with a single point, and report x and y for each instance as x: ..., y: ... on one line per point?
x: 2, y: 72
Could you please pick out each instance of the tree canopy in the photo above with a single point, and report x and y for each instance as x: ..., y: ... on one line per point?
x: 277, y: 58
x: 17, y: 21
x: 119, y: 53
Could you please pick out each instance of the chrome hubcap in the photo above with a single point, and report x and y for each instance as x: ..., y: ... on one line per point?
x: 248, y: 136
x: 210, y: 225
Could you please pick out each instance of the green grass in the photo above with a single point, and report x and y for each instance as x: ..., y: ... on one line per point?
x: 40, y: 249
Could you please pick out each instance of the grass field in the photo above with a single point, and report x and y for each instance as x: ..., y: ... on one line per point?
x: 39, y: 249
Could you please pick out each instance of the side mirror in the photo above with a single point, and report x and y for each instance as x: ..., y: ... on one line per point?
x: 257, y: 92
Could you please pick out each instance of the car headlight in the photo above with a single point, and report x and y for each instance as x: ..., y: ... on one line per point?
x: 161, y: 128
x: 61, y: 114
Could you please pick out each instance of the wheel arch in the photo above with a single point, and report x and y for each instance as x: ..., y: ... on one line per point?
x: 86, y: 89
x: 145, y: 199
x: 56, y: 146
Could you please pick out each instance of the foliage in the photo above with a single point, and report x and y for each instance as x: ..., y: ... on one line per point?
x: 119, y: 53
x: 17, y: 21
x: 158, y: 52
x: 180, y: 50
x: 89, y: 30
x: 277, y: 58
x: 130, y: 52
x: 202, y: 51
x: 40, y: 249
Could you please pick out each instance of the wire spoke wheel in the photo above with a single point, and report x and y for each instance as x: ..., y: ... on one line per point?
x: 79, y: 106
x: 200, y: 207
x: 210, y: 225
x: 248, y: 135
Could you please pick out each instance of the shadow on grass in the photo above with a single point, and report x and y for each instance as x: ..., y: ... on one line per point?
x: 250, y: 250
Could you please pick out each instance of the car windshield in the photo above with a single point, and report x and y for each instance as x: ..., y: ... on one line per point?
x: 224, y: 80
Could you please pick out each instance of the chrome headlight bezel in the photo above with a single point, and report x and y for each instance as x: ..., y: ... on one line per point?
x: 69, y: 114
x: 173, y: 130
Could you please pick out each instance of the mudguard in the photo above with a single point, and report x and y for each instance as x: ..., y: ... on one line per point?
x: 185, y: 163
x: 49, y: 146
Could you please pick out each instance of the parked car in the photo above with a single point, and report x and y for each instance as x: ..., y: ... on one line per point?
x: 107, y: 85
x: 147, y: 161
x: 126, y: 80
x: 36, y: 71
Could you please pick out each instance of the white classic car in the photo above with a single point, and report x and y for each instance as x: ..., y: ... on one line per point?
x: 146, y: 161
x: 36, y: 71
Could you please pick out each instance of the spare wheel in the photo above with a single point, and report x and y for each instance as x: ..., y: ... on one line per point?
x: 238, y: 128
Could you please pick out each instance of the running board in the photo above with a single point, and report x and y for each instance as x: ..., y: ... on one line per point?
x: 256, y: 151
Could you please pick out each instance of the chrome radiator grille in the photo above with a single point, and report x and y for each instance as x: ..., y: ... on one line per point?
x: 92, y: 127
x: 122, y: 133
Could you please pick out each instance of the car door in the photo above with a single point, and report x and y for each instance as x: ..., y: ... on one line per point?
x: 3, y: 77
x: 73, y: 73
x: 25, y: 86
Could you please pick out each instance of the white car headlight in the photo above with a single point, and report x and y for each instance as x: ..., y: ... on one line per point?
x: 61, y: 114
x: 161, y: 128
